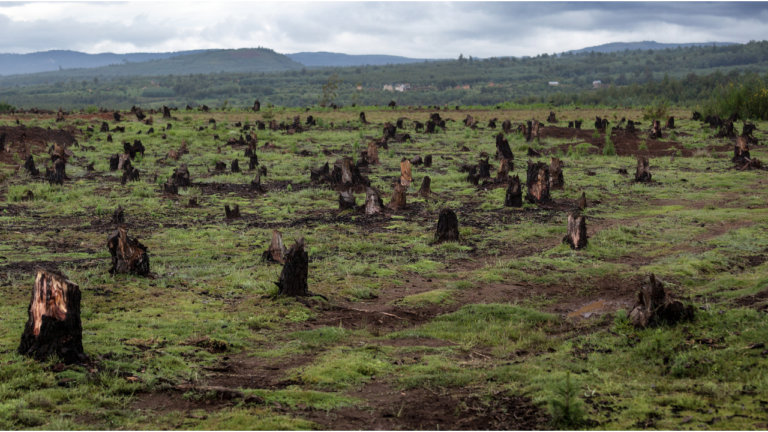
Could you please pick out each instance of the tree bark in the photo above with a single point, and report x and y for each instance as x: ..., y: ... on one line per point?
x: 398, y: 196
x: 128, y: 254
x: 277, y: 250
x: 405, y: 173
x: 373, y: 203
x: 576, y: 235
x: 643, y: 173
x: 556, y: 173
x: 293, y: 278
x: 656, y: 306
x: 447, y: 226
x: 53, y: 325
x: 514, y: 196
x: 538, y: 182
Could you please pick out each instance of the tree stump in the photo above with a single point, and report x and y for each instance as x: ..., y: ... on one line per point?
x: 447, y: 226
x: 118, y: 217
x: 116, y: 116
x: 257, y: 106
x: 506, y: 126
x: 416, y: 160
x: 483, y: 168
x: 362, y: 118
x: 373, y: 203
x: 656, y: 306
x: 425, y: 189
x: 277, y: 250
x: 372, y: 156
x: 53, y: 325
x: 514, y: 196
x: 128, y: 254
x: 405, y: 173
x: 430, y: 127
x: 427, y: 161
x: 347, y: 201
x: 398, y: 196
x: 556, y: 173
x: 55, y: 174
x: 29, y: 166
x: 538, y: 182
x: 256, y: 185
x: 670, y: 122
x: 630, y: 127
x: 233, y: 212
x: 322, y: 173
x: 583, y: 201
x: 643, y: 173
x: 293, y: 278
x: 104, y: 127
x: 130, y: 174
x: 235, y: 166
x: 655, y: 130
x: 576, y: 236
x: 551, y: 118
x: 577, y: 124
x: 180, y: 177
x: 740, y: 150
x: 503, y: 174
x: 492, y: 124
x: 220, y: 166
x: 503, y: 151
x: 696, y: 116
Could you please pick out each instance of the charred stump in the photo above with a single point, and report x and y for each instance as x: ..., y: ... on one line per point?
x: 655, y: 130
x: 506, y: 126
x: 372, y: 154
x: 235, y: 166
x: 53, y: 326
x: 430, y: 127
x: 257, y: 106
x: 253, y: 161
x: 416, y: 160
x: 116, y: 115
x: 128, y: 254
x: 180, y: 177
x: 318, y: 174
x: 551, y: 118
x: 256, y: 185
x: 576, y: 236
x: 347, y: 201
x: 583, y: 201
x: 427, y: 161
x: 232, y: 212
x: 514, y: 196
x: 696, y: 116
x: 55, y: 174
x: 577, y: 124
x: 503, y: 151
x: 656, y: 306
x: 166, y: 112
x: 643, y: 173
x: 740, y: 150
x: 556, y: 173
x: 630, y: 127
x: 293, y: 278
x: 29, y: 166
x: 670, y: 122
x: 104, y: 127
x: 277, y: 250
x: 504, y: 167
x: 447, y: 226
x: 538, y: 182
x: 118, y: 217
x: 483, y: 168
x: 373, y: 203
x: 130, y: 174
x: 425, y: 189
x: 362, y: 118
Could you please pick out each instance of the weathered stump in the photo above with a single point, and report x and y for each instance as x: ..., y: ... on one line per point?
x: 235, y: 166
x: 256, y: 185
x: 293, y: 278
x: 576, y: 235
x: 503, y: 151
x: 277, y: 250
x: 538, y: 182
x: 56, y: 173
x: 29, y: 166
x: 427, y: 161
x: 504, y: 167
x: 425, y: 189
x: 128, y: 254
x: 506, y: 126
x: 583, y: 201
x: 347, y: 200
x: 447, y: 226
x: 643, y: 173
x: 232, y: 212
x: 53, y: 325
x: 670, y: 122
x: 405, y: 173
x: 656, y: 306
x: 416, y: 160
x: 655, y: 130
x: 556, y: 173
x: 551, y: 118
x: 398, y: 196
x: 373, y: 202
x: 118, y: 217
x: 180, y: 177
x: 514, y: 196
x: 372, y: 155
x: 740, y: 150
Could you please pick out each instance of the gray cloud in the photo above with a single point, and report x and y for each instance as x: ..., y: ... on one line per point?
x: 418, y: 29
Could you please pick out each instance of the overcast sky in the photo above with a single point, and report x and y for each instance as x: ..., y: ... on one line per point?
x: 412, y: 29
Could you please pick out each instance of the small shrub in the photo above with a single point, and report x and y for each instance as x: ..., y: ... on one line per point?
x: 566, y: 408
x: 659, y: 109
x: 596, y: 134
x: 91, y: 109
x: 642, y: 146
x: 609, y: 149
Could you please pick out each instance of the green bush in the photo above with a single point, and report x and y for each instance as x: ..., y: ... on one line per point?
x: 747, y: 100
x: 609, y: 149
x: 91, y: 109
x: 5, y: 106
x: 566, y: 408
x: 657, y: 110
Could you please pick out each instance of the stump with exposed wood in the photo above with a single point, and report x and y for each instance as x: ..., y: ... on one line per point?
x: 556, y: 173
x: 643, y: 173
x: 398, y: 196
x: 293, y: 278
x: 740, y: 150
x: 277, y: 250
x: 503, y: 151
x: 55, y: 174
x: 232, y: 212
x: 538, y: 182
x: 372, y: 155
x: 373, y: 203
x: 425, y: 189
x: 656, y: 306
x: 128, y: 254
x: 655, y: 130
x: 347, y: 200
x: 447, y: 226
x: 53, y: 325
x: 576, y: 235
x: 514, y: 195
x: 405, y: 173
x: 504, y: 167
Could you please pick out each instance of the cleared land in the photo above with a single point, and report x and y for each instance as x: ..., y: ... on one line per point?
x: 414, y: 335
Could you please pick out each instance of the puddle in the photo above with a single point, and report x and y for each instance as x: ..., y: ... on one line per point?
x: 588, y: 310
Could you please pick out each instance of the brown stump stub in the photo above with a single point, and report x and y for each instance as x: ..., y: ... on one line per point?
x: 425, y: 189
x: 538, y: 182
x: 293, y: 278
x: 53, y: 326
x: 655, y: 130
x: 670, y: 122
x: 373, y: 202
x: 503, y: 151
x: 551, y: 118
x: 405, y: 172
x: 398, y: 196
x: 503, y: 174
x: 643, y: 173
x: 447, y: 226
x: 740, y: 150
x: 347, y: 200
x: 655, y: 306
x: 583, y: 201
x: 372, y: 156
x: 514, y: 196
x: 277, y: 250
x: 232, y: 212
x: 118, y: 216
x: 556, y: 173
x: 506, y: 126
x: 128, y: 254
x: 427, y: 161
x: 576, y: 236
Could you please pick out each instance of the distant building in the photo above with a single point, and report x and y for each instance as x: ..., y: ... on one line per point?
x: 491, y: 84
x: 402, y: 87
x: 359, y: 87
x: 554, y: 83
x: 597, y: 83
x: 389, y: 88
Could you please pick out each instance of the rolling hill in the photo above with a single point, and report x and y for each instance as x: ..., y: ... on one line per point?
x: 329, y: 59
x: 645, y: 45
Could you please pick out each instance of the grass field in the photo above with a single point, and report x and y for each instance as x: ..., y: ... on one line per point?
x: 496, y: 331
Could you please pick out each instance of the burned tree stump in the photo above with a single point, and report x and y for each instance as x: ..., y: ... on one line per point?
x: 347, y: 201
x: 643, y: 173
x: 655, y: 130
x: 29, y: 166
x: 492, y: 124
x: 235, y: 166
x: 398, y: 196
x: 503, y: 174
x: 740, y: 150
x: 118, y: 216
x: 630, y: 127
x: 130, y: 174
x: 128, y: 254
x: 430, y: 127
x: 670, y: 122
x: 233, y: 212
x: 104, y: 127
x: 483, y: 168
x: 503, y: 151
x: 427, y: 161
x: 114, y: 162
x: 405, y: 172
x: 551, y: 118
x: 556, y: 173
x: 256, y: 185
x: 109, y: 138
x: 293, y: 277
x: 55, y: 174
x: 538, y: 182
x: 696, y: 116
x: 425, y: 189
x: 514, y: 196
x: 372, y: 155
x: 253, y: 161
x: 506, y: 126
x: 180, y: 177
x: 257, y: 106
x: 416, y: 160
x: 362, y: 118
x: 116, y: 116
x: 656, y: 306
x: 53, y: 326
x: 577, y: 124
x: 277, y: 250
x: 373, y: 203
x: 220, y: 166
x: 570, y: 124
x: 317, y: 174
x: 447, y: 227
x: 576, y: 236
x: 166, y: 112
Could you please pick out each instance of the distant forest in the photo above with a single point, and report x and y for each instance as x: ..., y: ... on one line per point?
x: 683, y: 76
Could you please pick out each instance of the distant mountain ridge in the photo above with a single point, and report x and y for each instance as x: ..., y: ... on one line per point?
x: 329, y: 59
x: 45, y: 61
x: 644, y: 45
